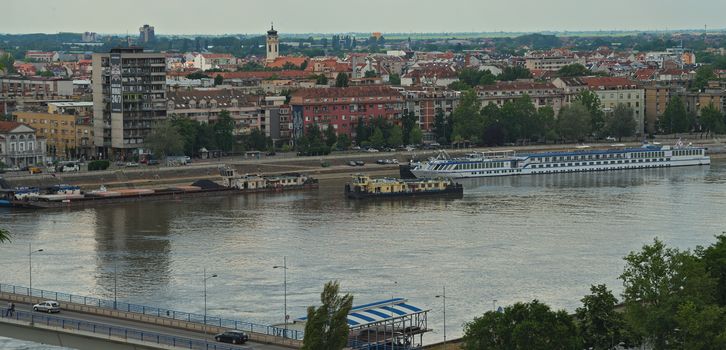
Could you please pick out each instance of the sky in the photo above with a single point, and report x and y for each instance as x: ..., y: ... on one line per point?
x: 341, y: 16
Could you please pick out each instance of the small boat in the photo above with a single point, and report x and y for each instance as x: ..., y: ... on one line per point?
x: 363, y: 187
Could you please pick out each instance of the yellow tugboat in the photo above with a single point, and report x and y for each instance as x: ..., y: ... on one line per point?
x: 363, y: 187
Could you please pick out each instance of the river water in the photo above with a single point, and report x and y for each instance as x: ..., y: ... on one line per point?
x: 510, y: 239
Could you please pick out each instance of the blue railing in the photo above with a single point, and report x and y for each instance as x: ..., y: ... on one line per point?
x: 154, y: 311
x: 115, y: 331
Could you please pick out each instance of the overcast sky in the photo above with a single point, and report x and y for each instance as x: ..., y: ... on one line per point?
x: 337, y: 16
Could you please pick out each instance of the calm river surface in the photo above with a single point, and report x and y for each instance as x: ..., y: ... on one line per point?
x: 547, y: 237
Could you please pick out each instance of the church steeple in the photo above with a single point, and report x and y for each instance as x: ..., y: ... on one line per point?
x: 273, y: 44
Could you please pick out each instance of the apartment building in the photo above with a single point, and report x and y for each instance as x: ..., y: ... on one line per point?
x: 205, y: 105
x: 67, y: 136
x: 541, y: 94
x: 129, y: 95
x: 551, y: 62
x: 341, y: 108
x: 426, y: 103
x: 35, y: 88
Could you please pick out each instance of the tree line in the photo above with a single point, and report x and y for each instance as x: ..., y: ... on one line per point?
x: 672, y: 299
x: 177, y: 136
x: 520, y: 121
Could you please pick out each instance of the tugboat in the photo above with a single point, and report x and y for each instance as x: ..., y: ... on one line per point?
x: 363, y: 187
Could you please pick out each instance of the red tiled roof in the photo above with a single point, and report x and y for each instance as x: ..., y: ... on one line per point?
x: 9, y: 126
x: 608, y: 82
x: 217, y: 55
x: 644, y: 73
x: 281, y: 61
x: 352, y: 91
x: 283, y: 74
x: 516, y: 85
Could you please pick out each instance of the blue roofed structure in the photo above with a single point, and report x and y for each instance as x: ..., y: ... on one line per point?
x: 387, y: 324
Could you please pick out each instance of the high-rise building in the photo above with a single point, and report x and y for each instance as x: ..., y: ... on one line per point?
x: 129, y: 95
x: 146, y: 33
x: 273, y: 45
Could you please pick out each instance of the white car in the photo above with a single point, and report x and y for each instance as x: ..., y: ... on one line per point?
x: 48, y: 306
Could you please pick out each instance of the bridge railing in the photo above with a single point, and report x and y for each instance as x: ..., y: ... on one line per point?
x: 123, y: 334
x: 154, y: 311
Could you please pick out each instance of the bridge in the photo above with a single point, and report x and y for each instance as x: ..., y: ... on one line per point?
x: 89, y: 323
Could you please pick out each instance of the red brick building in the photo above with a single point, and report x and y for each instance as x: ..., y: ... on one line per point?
x: 341, y: 108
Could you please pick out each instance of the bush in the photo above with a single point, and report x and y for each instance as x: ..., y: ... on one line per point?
x: 98, y: 165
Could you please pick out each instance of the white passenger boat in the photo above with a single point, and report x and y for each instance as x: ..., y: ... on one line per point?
x: 509, y: 163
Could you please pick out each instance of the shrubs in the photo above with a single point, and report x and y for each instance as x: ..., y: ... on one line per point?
x: 98, y: 165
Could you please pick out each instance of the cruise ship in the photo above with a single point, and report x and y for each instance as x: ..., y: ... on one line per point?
x: 509, y: 163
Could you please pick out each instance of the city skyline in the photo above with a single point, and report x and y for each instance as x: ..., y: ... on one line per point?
x: 232, y: 17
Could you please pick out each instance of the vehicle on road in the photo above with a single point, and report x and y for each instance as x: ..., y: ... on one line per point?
x: 371, y: 150
x: 352, y: 163
x: 35, y: 170
x: 48, y: 306
x: 234, y: 337
x: 360, y: 163
x: 152, y: 162
x: 132, y: 165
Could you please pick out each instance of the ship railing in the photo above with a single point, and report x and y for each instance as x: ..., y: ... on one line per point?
x: 154, y: 311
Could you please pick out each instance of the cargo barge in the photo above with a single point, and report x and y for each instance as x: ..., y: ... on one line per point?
x: 65, y: 196
x: 363, y: 187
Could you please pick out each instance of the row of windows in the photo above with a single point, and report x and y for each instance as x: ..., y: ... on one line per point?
x: 688, y: 152
x: 606, y: 162
x: 663, y: 165
x: 469, y: 166
x: 351, y: 108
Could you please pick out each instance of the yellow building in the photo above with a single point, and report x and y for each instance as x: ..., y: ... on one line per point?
x: 67, y: 136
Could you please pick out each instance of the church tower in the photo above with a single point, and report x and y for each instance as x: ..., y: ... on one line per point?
x: 273, y: 44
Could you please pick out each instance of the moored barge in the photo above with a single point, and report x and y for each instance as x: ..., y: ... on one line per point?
x: 364, y: 187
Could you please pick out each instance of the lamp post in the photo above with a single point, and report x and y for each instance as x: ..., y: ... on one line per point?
x: 494, y: 305
x: 284, y: 274
x: 443, y: 297
x: 30, y: 266
x: 205, y: 299
x: 115, y: 284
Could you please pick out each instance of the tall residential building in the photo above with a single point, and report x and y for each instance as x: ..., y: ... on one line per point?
x: 129, y: 95
x: 273, y: 45
x: 146, y: 33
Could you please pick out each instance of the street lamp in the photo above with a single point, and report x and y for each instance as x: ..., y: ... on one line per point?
x: 205, y: 299
x: 284, y: 268
x: 30, y: 266
x: 443, y: 297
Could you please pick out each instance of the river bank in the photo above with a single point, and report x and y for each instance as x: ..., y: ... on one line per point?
x: 336, y: 167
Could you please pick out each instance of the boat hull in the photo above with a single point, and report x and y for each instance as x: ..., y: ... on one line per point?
x: 455, y: 190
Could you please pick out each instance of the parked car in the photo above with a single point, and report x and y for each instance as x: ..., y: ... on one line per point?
x: 352, y: 163
x: 270, y: 154
x: 610, y: 138
x: 381, y: 161
x: 48, y: 306
x: 371, y: 150
x: 132, y: 165
x: 152, y: 162
x: 35, y: 170
x: 234, y: 337
x: 360, y: 163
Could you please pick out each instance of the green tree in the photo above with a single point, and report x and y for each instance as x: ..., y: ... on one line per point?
x: 361, y: 131
x: 700, y: 327
x: 321, y: 80
x: 218, y: 80
x: 675, y: 118
x: 459, y: 86
x: 394, y: 79
x: 409, y: 121
x: 341, y: 80
x: 224, y: 131
x: 395, y: 136
x: 377, y: 139
x: 573, y: 123
x: 532, y: 326
x: 370, y: 74
x: 6, y: 63
x: 327, y: 325
x: 703, y: 75
x: 442, y: 128
x: 657, y: 280
x: 468, y: 123
x: 416, y: 136
x: 164, y: 140
x: 343, y: 141
x: 4, y: 235
x: 601, y: 326
x: 519, y: 119
x: 573, y: 70
x: 621, y: 122
x: 597, y: 118
x: 714, y: 257
x: 515, y: 72
x: 330, y: 137
x: 548, y: 123
x: 712, y: 120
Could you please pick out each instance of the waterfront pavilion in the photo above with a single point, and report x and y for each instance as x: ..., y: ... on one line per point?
x: 391, y: 324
